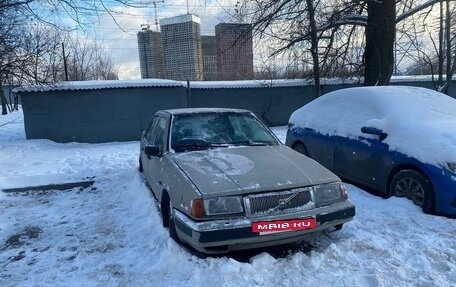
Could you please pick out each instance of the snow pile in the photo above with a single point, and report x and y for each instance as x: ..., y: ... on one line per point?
x: 110, y: 234
x: 419, y: 122
x: 12, y: 126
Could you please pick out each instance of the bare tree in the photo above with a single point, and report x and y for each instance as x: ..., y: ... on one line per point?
x: 30, y: 42
x: 87, y: 61
x: 438, y: 57
x: 12, y: 53
x: 329, y: 30
x: 318, y: 27
x: 80, y: 11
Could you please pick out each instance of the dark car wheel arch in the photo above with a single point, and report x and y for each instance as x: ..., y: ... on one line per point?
x: 301, y: 148
x: 165, y: 208
x: 418, y: 177
x: 167, y: 217
x: 140, y: 168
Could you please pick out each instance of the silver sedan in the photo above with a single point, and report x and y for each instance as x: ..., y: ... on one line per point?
x: 224, y: 182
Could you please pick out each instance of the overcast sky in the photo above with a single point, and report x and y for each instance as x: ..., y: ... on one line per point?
x: 122, y: 45
x: 120, y: 40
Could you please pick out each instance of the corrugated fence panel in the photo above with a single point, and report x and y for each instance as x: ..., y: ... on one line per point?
x: 120, y: 114
x: 95, y: 116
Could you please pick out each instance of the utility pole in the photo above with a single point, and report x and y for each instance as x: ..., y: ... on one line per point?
x: 65, y: 62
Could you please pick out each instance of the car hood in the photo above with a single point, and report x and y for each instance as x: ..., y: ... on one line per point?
x: 242, y: 170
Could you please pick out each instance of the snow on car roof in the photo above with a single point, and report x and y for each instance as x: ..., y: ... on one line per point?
x: 204, y: 110
x: 419, y: 122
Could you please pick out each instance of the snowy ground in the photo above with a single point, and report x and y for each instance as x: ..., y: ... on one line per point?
x: 110, y: 234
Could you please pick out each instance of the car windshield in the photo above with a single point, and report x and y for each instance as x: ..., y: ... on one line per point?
x: 196, y: 131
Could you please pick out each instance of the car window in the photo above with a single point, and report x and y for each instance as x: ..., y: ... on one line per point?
x: 338, y: 114
x: 150, y: 129
x: 159, y: 134
x: 203, y: 130
x: 249, y: 128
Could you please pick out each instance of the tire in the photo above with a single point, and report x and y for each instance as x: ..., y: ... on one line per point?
x: 140, y: 168
x: 171, y: 224
x: 168, y: 217
x: 414, y: 186
x: 299, y: 147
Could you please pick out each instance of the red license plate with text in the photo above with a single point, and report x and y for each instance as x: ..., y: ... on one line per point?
x: 266, y: 227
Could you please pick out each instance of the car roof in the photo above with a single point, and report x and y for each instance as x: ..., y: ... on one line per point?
x: 419, y: 122
x: 203, y: 110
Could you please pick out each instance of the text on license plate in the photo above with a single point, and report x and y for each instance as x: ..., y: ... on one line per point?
x: 283, y: 225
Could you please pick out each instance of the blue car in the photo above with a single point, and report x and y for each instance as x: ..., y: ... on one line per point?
x: 399, y: 141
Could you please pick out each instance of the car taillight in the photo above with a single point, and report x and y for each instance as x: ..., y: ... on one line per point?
x: 197, y: 210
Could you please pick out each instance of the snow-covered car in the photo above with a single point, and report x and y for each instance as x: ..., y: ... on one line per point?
x: 224, y: 182
x: 397, y: 140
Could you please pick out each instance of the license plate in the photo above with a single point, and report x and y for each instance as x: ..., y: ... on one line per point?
x: 268, y: 227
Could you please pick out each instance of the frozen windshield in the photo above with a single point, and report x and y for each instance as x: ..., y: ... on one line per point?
x: 205, y: 130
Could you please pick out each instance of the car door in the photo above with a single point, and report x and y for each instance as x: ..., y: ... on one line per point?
x: 360, y: 160
x: 359, y: 156
x: 146, y: 139
x: 319, y: 147
x: 154, y: 164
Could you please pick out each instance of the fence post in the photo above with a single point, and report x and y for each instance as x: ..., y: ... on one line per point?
x: 189, y: 94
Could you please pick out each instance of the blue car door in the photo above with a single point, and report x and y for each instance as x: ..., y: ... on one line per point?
x: 360, y: 160
x: 317, y: 145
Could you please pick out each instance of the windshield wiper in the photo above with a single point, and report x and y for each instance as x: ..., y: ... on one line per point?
x: 250, y: 143
x: 186, y: 144
x: 219, y: 144
x: 196, y: 144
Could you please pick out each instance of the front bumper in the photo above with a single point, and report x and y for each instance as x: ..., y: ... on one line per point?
x: 220, y: 236
x: 444, y: 185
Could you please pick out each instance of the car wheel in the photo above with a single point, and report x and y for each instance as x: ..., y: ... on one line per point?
x: 414, y: 186
x: 168, y: 217
x: 299, y: 147
x: 140, y: 168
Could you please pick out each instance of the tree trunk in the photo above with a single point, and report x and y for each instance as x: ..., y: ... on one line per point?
x: 441, y: 56
x: 449, y: 61
x: 314, y: 47
x: 3, y: 99
x: 380, y: 35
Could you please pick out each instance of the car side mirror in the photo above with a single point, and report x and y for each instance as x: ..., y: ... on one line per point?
x: 374, y: 131
x: 151, y: 150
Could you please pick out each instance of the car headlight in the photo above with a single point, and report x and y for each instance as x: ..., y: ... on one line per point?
x: 452, y: 166
x: 325, y: 194
x: 223, y: 205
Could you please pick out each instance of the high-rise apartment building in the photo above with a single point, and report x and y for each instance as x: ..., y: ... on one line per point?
x: 181, y: 39
x: 209, y: 58
x: 150, y: 53
x: 234, y: 51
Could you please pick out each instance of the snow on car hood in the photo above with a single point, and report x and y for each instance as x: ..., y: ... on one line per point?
x: 420, y: 122
x: 241, y: 170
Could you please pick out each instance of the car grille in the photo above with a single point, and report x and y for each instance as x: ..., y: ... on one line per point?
x: 277, y: 203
